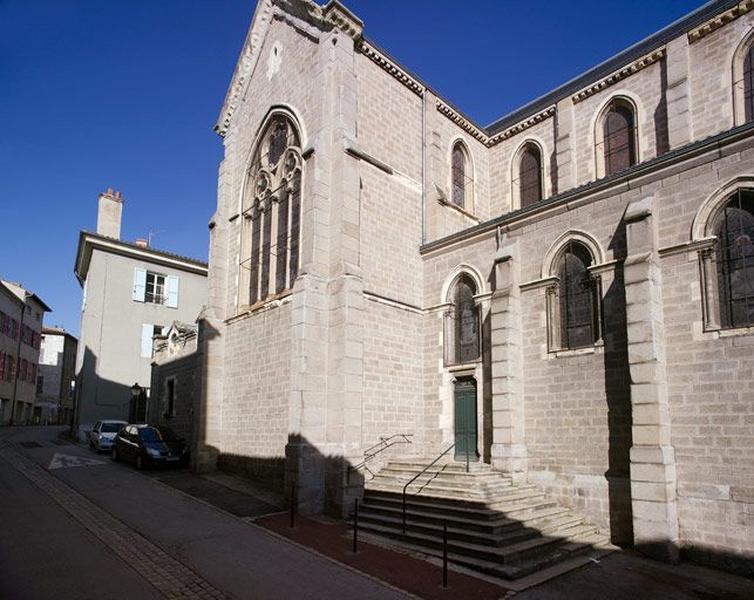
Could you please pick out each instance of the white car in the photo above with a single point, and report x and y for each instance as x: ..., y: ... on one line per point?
x: 103, y: 433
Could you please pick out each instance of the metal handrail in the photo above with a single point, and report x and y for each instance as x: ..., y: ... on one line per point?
x: 381, y: 446
x: 419, y: 474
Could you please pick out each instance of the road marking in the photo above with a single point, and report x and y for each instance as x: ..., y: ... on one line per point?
x: 64, y: 461
x: 171, y: 577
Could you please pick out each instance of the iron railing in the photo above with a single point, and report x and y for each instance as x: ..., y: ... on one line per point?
x: 424, y: 470
x: 381, y: 446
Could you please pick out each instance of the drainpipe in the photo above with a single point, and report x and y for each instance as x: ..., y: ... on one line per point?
x: 17, y: 370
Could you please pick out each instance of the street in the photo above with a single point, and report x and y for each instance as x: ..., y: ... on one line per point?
x: 77, y: 525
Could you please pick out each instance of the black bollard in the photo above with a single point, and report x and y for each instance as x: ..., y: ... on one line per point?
x: 355, y: 524
x: 444, y: 554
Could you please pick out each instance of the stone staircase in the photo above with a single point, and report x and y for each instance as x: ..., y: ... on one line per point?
x: 494, y: 526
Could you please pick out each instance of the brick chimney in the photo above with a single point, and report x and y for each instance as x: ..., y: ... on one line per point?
x: 142, y: 243
x: 109, y: 213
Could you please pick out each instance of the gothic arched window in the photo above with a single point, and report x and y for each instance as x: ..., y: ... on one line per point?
x: 461, y: 181
x: 749, y: 84
x: 734, y: 255
x: 463, y: 333
x: 579, y: 325
x: 530, y: 175
x: 619, y: 137
x: 272, y: 212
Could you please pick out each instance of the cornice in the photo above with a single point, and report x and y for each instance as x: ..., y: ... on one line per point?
x: 461, y: 121
x: 338, y: 16
x: 521, y: 126
x: 391, y: 67
x: 616, y: 76
x: 719, y: 20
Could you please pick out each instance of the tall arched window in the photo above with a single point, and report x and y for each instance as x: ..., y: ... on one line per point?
x: 749, y: 84
x: 734, y: 255
x: 579, y: 325
x: 619, y: 137
x: 530, y: 175
x: 461, y: 180
x: 272, y: 212
x: 462, y: 334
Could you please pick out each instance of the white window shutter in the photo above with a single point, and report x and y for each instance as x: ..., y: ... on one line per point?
x: 140, y: 284
x: 83, y: 296
x: 147, y: 331
x: 172, y: 301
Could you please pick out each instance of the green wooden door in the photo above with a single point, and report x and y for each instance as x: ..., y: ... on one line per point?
x: 465, y: 419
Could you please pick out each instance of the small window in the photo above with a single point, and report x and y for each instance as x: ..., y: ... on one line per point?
x: 462, y: 182
x: 734, y: 255
x: 619, y: 137
x: 155, y: 288
x: 749, y: 85
x: 530, y: 175
x: 578, y: 314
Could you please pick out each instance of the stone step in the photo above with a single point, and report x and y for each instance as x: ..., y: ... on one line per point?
x: 509, y: 494
x: 418, y: 464
x: 544, y: 521
x: 519, y: 509
x: 464, y: 482
x: 510, y: 553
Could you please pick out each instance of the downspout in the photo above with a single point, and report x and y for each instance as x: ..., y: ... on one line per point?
x: 424, y: 165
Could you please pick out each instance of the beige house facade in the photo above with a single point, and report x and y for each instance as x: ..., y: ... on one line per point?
x: 566, y: 294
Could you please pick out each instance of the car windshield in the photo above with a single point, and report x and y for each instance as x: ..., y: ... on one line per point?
x: 110, y: 427
x: 156, y: 434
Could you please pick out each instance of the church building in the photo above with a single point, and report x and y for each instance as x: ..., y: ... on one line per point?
x: 563, y: 298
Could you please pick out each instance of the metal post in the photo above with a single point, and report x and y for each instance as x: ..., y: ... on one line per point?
x: 467, y: 456
x: 444, y: 554
x: 404, y: 510
x: 355, y: 524
x: 293, y: 505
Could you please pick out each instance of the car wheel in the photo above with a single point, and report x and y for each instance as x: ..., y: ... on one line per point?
x: 115, y: 454
x: 139, y: 462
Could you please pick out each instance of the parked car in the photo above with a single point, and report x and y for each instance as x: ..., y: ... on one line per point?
x: 103, y: 433
x: 149, y: 446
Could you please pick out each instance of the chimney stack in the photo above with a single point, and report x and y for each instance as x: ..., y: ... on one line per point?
x: 109, y: 213
x: 142, y: 243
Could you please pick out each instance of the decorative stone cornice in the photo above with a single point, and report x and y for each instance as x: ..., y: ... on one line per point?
x: 461, y: 121
x: 521, y: 126
x: 388, y: 65
x: 719, y: 20
x: 337, y: 15
x: 615, y: 77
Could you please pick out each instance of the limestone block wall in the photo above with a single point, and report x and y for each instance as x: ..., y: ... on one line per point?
x: 256, y: 394
x: 184, y: 371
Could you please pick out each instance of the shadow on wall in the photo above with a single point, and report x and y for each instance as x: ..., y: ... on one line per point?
x: 96, y: 397
x: 618, y: 396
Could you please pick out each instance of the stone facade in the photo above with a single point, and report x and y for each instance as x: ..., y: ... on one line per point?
x: 647, y: 430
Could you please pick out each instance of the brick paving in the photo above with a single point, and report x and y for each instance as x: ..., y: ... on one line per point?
x: 170, y: 577
x: 403, y: 571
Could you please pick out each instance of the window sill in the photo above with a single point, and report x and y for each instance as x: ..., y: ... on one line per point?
x: 596, y: 348
x: 717, y: 333
x: 459, y: 367
x: 272, y: 302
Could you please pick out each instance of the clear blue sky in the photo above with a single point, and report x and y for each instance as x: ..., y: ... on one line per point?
x: 124, y: 94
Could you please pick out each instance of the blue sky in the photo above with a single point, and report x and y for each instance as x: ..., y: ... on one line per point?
x: 124, y: 94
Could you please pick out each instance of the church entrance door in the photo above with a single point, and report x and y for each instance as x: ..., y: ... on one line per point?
x: 465, y: 419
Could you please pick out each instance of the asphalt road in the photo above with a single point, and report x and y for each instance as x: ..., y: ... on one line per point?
x: 76, y: 525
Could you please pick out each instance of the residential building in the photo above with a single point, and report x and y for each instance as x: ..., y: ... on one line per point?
x: 130, y: 293
x: 56, y: 376
x: 567, y: 294
x: 21, y: 317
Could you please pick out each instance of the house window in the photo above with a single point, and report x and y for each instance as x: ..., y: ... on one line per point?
x: 619, y: 137
x: 272, y: 213
x: 155, y: 288
x: 577, y: 291
x: 462, y: 333
x: 734, y: 256
x: 530, y: 175
x: 40, y: 384
x: 461, y: 177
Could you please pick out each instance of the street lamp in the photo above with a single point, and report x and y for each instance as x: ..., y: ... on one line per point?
x: 136, y: 391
